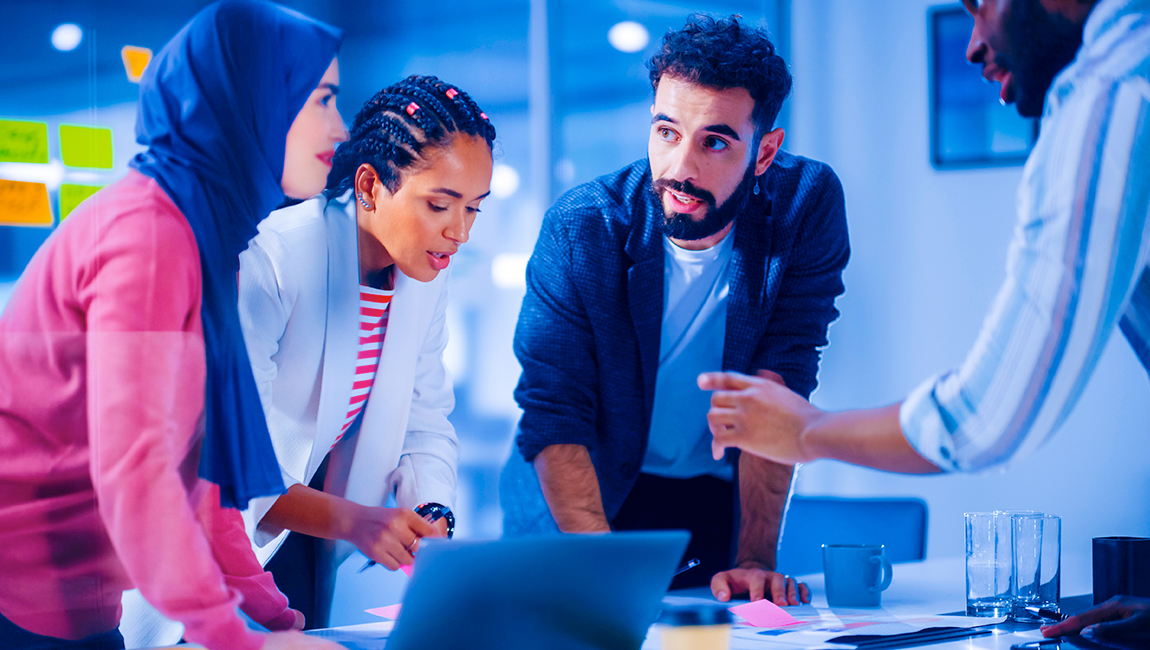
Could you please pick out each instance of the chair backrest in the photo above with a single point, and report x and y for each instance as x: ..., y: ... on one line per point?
x: 897, y: 523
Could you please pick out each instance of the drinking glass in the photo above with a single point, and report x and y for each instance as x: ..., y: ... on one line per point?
x: 1050, y: 575
x: 1037, y: 562
x: 989, y: 563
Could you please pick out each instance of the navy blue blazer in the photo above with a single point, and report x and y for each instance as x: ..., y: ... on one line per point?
x: 588, y: 331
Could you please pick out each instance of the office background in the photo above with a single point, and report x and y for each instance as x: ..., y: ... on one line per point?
x: 569, y: 96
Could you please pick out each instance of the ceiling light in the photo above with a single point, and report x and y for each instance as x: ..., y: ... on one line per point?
x: 509, y: 270
x: 504, y: 181
x: 628, y: 36
x: 67, y: 37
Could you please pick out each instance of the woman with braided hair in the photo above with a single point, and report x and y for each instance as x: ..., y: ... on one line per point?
x: 342, y: 303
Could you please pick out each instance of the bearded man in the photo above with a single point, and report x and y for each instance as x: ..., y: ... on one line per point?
x: 1078, y: 272
x: 718, y: 251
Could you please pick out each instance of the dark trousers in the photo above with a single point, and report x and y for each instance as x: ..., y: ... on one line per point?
x: 704, y: 505
x: 13, y: 636
x: 294, y: 567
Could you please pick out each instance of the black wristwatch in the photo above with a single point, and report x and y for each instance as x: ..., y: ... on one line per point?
x: 433, y: 512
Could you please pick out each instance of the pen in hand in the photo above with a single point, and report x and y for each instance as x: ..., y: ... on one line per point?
x: 431, y: 513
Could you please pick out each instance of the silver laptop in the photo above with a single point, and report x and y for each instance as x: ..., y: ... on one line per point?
x: 562, y: 592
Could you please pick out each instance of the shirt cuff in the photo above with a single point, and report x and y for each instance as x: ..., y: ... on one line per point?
x: 427, y: 482
x: 924, y: 427
x: 284, y: 621
x: 263, y: 601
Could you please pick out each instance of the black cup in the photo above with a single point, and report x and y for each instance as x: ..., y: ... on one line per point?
x: 1121, y: 567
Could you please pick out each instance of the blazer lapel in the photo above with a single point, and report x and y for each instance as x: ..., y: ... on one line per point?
x: 341, y: 335
x: 645, y: 292
x: 379, y: 442
x: 750, y: 261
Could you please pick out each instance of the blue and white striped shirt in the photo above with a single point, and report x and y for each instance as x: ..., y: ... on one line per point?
x: 1078, y: 262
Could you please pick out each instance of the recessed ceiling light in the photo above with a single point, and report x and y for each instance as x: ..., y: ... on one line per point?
x: 504, y: 181
x: 509, y: 270
x: 67, y: 37
x: 628, y: 36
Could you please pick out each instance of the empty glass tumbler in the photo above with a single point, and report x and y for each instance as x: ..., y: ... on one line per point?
x: 1037, y: 560
x: 1013, y: 560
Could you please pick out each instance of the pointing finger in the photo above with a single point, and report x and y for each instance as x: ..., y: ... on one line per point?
x: 726, y: 381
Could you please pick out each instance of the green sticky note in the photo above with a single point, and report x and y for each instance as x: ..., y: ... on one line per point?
x: 23, y: 142
x: 72, y: 195
x: 86, y: 146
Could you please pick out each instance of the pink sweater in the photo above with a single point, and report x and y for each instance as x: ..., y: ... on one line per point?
x: 101, y: 392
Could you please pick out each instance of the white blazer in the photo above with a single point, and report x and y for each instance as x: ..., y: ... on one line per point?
x: 299, y: 308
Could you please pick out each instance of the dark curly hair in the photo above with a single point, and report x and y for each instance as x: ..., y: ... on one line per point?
x: 394, y: 129
x: 726, y: 53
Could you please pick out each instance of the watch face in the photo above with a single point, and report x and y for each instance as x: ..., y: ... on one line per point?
x: 433, y: 512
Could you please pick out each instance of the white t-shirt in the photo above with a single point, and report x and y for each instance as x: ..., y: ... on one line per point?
x: 695, y: 288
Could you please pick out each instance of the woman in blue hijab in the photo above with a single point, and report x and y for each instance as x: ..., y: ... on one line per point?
x: 123, y: 371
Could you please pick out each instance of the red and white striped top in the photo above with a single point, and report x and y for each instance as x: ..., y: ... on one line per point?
x: 373, y: 308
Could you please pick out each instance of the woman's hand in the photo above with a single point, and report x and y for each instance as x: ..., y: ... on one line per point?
x: 389, y: 536
x: 440, y: 526
x: 1122, y: 620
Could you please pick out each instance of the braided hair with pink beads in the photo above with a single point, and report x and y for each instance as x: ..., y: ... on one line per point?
x: 397, y: 129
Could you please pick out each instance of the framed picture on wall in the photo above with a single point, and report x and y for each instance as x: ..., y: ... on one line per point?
x: 969, y: 125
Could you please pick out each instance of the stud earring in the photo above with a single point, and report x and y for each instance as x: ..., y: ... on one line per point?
x: 368, y: 207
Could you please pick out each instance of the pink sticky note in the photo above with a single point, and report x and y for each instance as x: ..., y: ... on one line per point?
x: 407, y: 568
x: 763, y: 613
x: 391, y: 611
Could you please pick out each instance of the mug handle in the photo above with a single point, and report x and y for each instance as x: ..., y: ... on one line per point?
x: 887, y: 572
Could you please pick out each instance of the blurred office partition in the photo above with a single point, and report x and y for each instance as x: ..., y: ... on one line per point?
x: 898, y: 524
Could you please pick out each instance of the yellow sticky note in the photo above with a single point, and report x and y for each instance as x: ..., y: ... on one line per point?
x: 24, y: 204
x: 23, y: 142
x: 72, y: 195
x: 86, y: 146
x: 135, y: 60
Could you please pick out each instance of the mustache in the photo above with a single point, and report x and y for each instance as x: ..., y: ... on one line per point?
x: 683, y: 187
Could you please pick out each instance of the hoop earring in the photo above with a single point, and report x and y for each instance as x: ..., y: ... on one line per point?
x: 368, y: 207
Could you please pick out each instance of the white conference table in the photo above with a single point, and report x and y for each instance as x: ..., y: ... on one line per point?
x: 930, y: 587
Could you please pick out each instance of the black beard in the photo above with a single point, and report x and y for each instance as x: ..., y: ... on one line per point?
x: 1041, y: 45
x: 677, y: 225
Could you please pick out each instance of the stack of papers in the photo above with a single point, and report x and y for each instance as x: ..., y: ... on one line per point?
x: 762, y: 624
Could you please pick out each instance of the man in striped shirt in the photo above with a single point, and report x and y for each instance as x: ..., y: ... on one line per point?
x: 1077, y: 271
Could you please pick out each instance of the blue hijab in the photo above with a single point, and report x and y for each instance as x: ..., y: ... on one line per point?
x: 215, y: 108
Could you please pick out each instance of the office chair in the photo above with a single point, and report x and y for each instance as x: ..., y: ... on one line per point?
x: 897, y: 523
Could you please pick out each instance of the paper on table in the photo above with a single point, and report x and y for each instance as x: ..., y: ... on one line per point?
x: 763, y: 613
x: 828, y: 624
x: 752, y: 638
x: 368, y: 636
x: 391, y: 611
